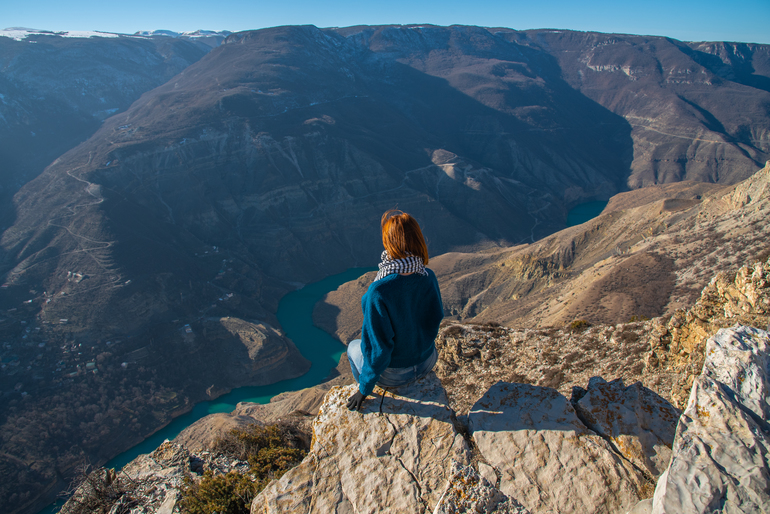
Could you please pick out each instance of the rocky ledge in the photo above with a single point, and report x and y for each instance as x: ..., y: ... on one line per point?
x: 610, y: 448
x: 530, y: 449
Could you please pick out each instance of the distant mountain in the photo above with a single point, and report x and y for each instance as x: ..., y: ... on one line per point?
x: 212, y: 38
x: 283, y: 146
x: 268, y: 162
x: 697, y: 111
x: 56, y: 88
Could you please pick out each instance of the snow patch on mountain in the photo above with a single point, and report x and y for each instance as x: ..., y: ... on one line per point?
x: 20, y: 33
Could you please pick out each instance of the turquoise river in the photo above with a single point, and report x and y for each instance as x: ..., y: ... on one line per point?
x: 295, y: 314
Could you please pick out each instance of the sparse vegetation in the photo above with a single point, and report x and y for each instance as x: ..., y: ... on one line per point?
x: 270, y: 452
x: 552, y: 378
x: 550, y: 357
x: 579, y: 325
x: 100, y: 492
x: 572, y: 357
x: 454, y: 331
x: 224, y: 494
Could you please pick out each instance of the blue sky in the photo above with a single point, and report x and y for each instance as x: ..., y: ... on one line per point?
x: 690, y: 20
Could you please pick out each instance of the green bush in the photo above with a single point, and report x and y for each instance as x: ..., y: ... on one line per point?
x: 224, y: 494
x: 270, y: 451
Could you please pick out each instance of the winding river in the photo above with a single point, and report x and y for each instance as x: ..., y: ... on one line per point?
x: 295, y: 314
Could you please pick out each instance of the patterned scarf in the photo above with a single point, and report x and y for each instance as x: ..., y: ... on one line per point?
x: 410, y: 264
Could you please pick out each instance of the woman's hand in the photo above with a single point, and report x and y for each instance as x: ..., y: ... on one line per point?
x: 355, y: 401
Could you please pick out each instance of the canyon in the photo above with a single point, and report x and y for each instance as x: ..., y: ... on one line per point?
x: 265, y: 163
x: 605, y: 417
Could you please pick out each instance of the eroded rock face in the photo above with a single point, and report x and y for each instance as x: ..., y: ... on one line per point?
x: 720, y: 454
x: 739, y: 358
x: 393, y: 456
x: 548, y: 460
x: 728, y: 299
x: 638, y: 422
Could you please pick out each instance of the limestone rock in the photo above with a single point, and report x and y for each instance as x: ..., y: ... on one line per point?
x: 722, y: 443
x: 643, y: 507
x: 728, y: 299
x: 548, y: 460
x: 394, y: 457
x: 739, y: 358
x: 638, y: 422
x: 467, y: 491
x: 149, y: 484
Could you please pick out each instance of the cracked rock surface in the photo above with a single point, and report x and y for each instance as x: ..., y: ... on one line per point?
x: 548, y: 460
x: 392, y: 456
x: 636, y: 421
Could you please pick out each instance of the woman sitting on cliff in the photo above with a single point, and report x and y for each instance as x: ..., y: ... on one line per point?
x: 402, y: 311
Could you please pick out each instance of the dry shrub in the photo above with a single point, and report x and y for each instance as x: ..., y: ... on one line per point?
x: 270, y: 451
x: 629, y: 337
x: 454, y: 331
x: 579, y: 325
x: 101, y: 491
x: 518, y: 378
x: 572, y: 357
x: 550, y: 357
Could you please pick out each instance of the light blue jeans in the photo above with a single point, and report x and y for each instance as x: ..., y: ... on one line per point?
x: 391, y: 377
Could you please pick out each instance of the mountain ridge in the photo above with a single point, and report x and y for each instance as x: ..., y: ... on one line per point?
x: 269, y: 161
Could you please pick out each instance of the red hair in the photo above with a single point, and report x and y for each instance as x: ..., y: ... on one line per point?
x: 401, y: 236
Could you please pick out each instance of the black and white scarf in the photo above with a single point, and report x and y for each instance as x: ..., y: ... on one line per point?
x: 409, y: 264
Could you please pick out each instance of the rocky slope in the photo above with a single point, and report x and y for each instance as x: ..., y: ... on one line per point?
x: 526, y: 449
x: 650, y: 253
x: 57, y: 88
x: 540, y: 420
x: 480, y: 133
x: 650, y: 364
x: 684, y: 133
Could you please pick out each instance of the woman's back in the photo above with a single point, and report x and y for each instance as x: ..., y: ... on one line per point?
x: 411, y: 306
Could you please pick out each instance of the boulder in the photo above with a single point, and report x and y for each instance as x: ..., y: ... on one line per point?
x: 721, y: 452
x: 394, y: 455
x: 547, y: 459
x: 739, y: 358
x: 636, y: 421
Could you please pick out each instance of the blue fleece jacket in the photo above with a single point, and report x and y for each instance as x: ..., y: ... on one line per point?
x: 401, y: 319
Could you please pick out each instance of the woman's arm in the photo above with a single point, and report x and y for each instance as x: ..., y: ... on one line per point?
x: 376, y: 340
